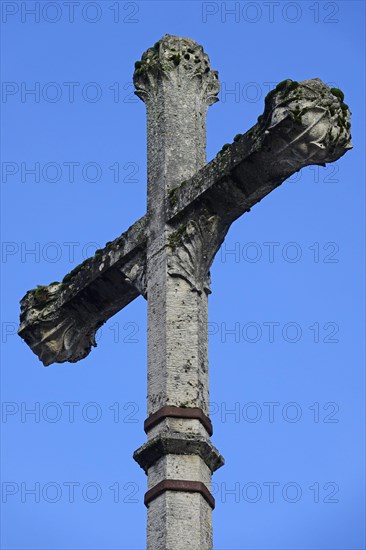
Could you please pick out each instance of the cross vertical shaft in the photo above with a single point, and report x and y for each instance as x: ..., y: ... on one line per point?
x: 176, y: 83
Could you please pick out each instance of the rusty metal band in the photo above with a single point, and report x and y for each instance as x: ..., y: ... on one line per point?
x: 179, y: 485
x: 178, y: 412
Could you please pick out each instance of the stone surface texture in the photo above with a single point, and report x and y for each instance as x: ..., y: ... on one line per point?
x: 166, y: 257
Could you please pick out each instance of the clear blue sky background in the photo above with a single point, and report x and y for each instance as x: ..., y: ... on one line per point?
x: 308, y: 285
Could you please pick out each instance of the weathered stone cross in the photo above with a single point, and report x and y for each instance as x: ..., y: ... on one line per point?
x: 166, y: 257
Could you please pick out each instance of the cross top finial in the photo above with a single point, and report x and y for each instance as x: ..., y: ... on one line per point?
x: 176, y: 59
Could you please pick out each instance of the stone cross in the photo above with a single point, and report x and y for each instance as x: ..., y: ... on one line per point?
x: 166, y: 256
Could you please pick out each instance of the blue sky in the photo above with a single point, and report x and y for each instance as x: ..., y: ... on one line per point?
x: 287, y: 309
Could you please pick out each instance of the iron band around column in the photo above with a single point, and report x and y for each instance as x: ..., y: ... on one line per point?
x: 170, y: 411
x: 179, y: 485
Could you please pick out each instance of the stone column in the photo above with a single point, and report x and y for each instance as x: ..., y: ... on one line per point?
x: 176, y: 83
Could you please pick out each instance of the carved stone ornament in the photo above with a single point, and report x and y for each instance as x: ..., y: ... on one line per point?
x: 173, y: 60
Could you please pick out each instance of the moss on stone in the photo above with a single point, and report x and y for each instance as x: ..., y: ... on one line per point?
x: 224, y: 147
x: 237, y: 137
x: 40, y: 293
x: 282, y: 85
x: 69, y: 276
x: 172, y: 196
x: 338, y: 93
x: 292, y: 86
x: 175, y: 238
x: 285, y: 86
x: 269, y: 96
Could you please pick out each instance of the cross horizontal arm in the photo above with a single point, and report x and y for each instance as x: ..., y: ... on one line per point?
x: 59, y: 321
x: 303, y: 124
